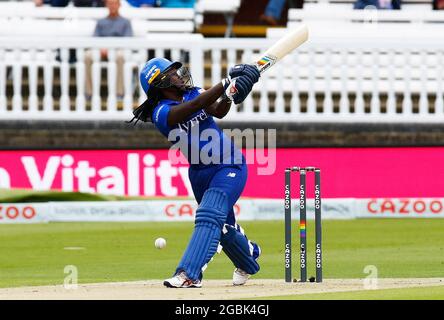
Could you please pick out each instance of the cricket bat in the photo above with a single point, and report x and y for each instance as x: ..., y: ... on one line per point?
x: 282, y: 47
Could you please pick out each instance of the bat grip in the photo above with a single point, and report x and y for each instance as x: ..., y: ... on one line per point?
x: 261, y: 70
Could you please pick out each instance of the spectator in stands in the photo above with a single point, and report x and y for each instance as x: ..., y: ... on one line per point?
x: 438, y: 4
x: 274, y: 9
x: 177, y: 3
x: 142, y: 3
x: 52, y: 3
x: 112, y: 26
x: 379, y: 4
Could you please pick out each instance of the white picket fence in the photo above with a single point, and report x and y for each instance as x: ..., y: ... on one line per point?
x: 327, y: 79
x: 19, y: 54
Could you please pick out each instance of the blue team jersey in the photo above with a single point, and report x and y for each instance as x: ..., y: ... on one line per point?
x: 206, y: 144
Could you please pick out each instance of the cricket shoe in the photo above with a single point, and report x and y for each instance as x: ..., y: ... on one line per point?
x: 181, y: 280
x: 240, y: 277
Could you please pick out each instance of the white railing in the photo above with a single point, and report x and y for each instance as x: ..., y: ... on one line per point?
x: 327, y: 79
x: 43, y: 102
x: 343, y: 80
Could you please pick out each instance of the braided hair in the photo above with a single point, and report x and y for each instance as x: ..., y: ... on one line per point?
x: 145, y: 110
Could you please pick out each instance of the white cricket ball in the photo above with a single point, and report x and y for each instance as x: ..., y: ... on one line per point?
x: 160, y: 243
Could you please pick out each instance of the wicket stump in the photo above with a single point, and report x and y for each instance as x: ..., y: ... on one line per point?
x: 303, y: 223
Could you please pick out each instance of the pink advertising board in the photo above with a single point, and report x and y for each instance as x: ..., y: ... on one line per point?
x: 346, y: 172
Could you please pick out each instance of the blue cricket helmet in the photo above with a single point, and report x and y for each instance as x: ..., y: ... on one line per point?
x: 156, y: 73
x: 153, y: 68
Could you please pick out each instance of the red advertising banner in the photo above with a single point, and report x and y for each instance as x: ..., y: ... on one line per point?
x: 346, y: 172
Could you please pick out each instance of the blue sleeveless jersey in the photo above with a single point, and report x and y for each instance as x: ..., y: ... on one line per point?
x: 205, y: 143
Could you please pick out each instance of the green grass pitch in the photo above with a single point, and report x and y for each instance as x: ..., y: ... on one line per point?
x: 105, y: 252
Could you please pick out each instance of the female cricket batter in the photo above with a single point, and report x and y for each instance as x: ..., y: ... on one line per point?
x: 179, y: 109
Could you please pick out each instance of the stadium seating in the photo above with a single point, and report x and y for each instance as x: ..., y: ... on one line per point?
x: 73, y: 21
x: 405, y: 4
x: 346, y: 14
x: 228, y: 8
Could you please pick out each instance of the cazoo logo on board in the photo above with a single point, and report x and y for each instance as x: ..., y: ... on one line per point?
x: 179, y: 210
x: 406, y: 207
x: 21, y: 213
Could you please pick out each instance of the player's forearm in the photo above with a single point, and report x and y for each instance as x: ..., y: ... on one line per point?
x: 220, y: 108
x: 182, y: 111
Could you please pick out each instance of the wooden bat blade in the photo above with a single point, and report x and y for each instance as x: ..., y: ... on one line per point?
x: 282, y: 47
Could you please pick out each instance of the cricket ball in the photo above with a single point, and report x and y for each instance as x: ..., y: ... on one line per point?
x: 160, y: 243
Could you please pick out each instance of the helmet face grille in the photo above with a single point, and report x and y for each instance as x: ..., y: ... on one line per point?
x: 185, y: 75
x: 180, y: 78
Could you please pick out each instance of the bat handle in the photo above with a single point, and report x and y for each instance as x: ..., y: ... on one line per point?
x: 258, y: 67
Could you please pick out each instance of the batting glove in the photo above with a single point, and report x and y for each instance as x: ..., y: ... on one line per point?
x: 247, y: 70
x: 238, y: 88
